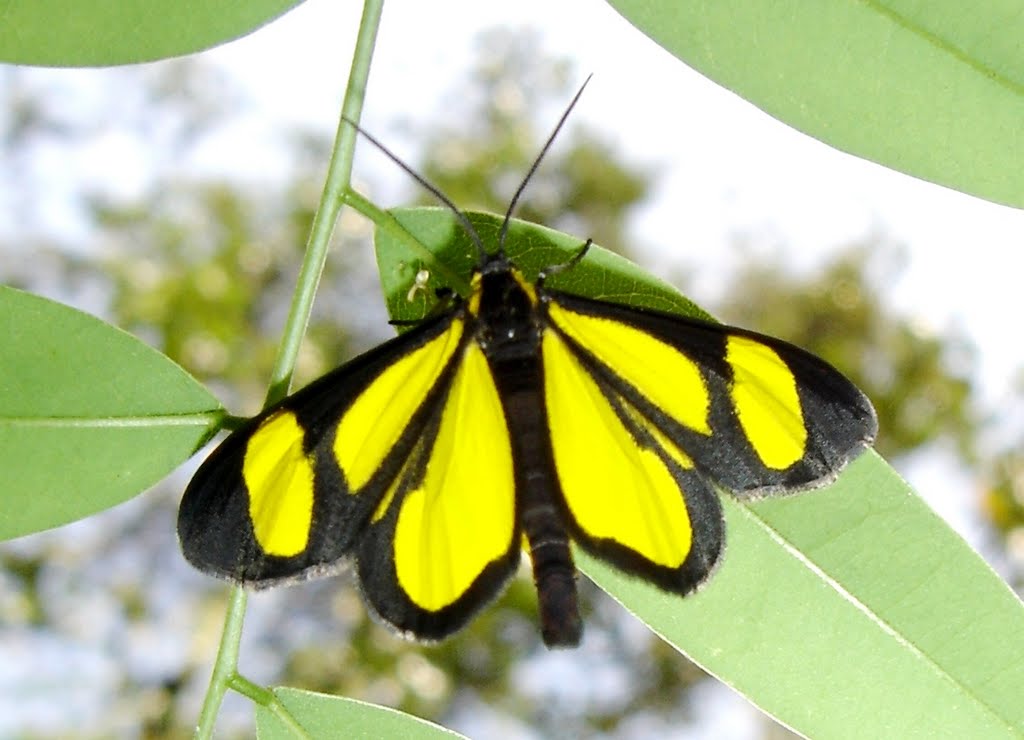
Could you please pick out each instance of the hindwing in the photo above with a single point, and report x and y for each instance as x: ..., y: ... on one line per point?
x: 445, y: 538
x: 632, y: 495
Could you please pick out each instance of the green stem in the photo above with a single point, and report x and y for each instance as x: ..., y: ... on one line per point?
x: 395, y: 229
x: 267, y: 698
x: 253, y: 691
x: 225, y: 666
x: 339, y: 175
x: 339, y: 178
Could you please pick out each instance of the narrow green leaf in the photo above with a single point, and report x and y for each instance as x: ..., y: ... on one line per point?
x: 933, y: 89
x: 848, y: 611
x: 78, y: 33
x: 327, y: 717
x: 89, y: 415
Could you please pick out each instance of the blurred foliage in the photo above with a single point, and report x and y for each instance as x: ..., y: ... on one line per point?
x: 1002, y: 488
x: 1003, y: 498
x: 203, y: 269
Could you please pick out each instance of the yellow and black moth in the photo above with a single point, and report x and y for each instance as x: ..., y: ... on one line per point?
x: 519, y: 416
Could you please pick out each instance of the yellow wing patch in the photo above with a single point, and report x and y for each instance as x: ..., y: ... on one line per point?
x: 461, y: 516
x: 615, y: 489
x: 668, y: 378
x: 766, y: 401
x: 380, y: 414
x: 279, y: 479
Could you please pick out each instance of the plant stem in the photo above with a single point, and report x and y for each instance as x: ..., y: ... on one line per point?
x: 267, y: 698
x: 339, y: 175
x: 225, y: 666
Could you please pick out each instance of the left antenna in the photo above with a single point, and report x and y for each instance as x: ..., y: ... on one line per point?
x: 427, y: 185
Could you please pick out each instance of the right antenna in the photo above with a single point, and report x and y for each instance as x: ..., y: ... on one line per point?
x: 536, y: 163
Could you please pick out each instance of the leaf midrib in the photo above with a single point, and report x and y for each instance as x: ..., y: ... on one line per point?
x: 202, y: 418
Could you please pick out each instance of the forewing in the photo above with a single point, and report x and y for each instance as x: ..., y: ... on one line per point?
x: 444, y: 539
x: 632, y: 495
x: 287, y: 495
x: 753, y: 413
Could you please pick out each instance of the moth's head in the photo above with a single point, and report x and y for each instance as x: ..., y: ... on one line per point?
x: 494, y: 263
x: 501, y: 293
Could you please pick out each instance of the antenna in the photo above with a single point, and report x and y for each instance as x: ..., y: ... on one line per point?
x: 459, y: 213
x: 429, y: 186
x: 536, y: 163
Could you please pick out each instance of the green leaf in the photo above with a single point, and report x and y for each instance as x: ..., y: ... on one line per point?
x: 329, y: 717
x: 78, y: 33
x: 89, y: 415
x: 602, y: 274
x: 933, y: 89
x: 848, y: 611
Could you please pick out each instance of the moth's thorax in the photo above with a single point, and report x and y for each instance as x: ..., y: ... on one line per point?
x: 504, y: 306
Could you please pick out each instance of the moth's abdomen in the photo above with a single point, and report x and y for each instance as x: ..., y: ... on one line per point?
x: 539, y: 500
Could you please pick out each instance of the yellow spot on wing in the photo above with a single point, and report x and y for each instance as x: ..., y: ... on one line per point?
x: 379, y: 415
x: 767, y: 403
x: 615, y: 488
x: 665, y: 376
x: 461, y: 516
x: 279, y: 478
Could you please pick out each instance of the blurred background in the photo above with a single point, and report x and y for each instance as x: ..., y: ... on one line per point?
x: 174, y: 199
